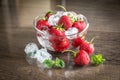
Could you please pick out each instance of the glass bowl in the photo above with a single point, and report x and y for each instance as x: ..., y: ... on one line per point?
x: 44, y: 38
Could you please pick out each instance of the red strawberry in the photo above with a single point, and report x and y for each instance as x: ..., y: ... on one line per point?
x: 88, y: 47
x: 42, y: 24
x: 61, y: 46
x: 82, y: 58
x: 48, y: 14
x: 58, y: 39
x: 56, y: 32
x: 79, y: 25
x: 66, y: 21
x: 59, y: 43
x: 77, y: 42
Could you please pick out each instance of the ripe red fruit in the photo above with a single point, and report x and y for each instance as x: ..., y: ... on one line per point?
x: 58, y: 39
x: 77, y: 42
x: 56, y: 32
x: 61, y: 46
x: 82, y: 58
x: 88, y: 47
x: 66, y: 21
x: 42, y: 24
x: 79, y: 25
x: 59, y: 43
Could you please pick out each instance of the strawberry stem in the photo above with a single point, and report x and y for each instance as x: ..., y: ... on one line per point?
x: 91, y: 41
x: 83, y: 37
x: 50, y: 12
x: 74, y: 52
x: 62, y: 7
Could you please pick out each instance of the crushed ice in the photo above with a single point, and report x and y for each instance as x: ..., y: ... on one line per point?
x: 80, y: 17
x: 53, y: 20
x: 71, y: 33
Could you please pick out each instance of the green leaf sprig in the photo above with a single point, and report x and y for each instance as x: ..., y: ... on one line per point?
x: 59, y: 63
x: 97, y: 59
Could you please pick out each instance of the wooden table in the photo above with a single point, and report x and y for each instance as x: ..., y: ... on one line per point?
x: 13, y: 64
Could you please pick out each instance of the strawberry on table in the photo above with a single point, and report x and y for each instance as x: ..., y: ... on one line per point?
x: 82, y: 58
x: 65, y: 21
x: 42, y: 24
x: 80, y: 25
x: 88, y: 46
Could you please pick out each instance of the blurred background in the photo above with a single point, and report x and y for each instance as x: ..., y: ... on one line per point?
x: 16, y: 18
x: 16, y: 30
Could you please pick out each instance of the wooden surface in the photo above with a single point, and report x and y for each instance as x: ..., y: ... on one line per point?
x: 104, y: 18
x: 13, y: 65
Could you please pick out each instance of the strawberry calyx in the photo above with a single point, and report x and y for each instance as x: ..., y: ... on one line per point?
x: 43, y: 18
x: 59, y: 27
x: 73, y: 19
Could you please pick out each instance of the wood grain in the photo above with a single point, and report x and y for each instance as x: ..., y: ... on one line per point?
x: 15, y: 67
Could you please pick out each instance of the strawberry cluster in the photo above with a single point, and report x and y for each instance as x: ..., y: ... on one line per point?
x: 85, y: 49
x: 58, y: 26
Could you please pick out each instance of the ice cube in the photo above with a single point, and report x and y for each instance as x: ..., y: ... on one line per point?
x: 42, y: 55
x: 45, y: 43
x: 45, y: 34
x: 31, y: 49
x: 80, y: 17
x: 31, y: 60
x: 53, y: 20
x: 72, y: 15
x: 71, y: 33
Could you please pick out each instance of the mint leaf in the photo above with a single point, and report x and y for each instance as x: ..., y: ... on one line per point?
x: 48, y: 63
x: 59, y: 63
x: 97, y: 59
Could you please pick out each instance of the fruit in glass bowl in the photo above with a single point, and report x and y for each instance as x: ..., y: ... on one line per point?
x: 57, y: 31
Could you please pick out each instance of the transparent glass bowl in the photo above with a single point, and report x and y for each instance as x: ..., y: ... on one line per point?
x: 44, y: 36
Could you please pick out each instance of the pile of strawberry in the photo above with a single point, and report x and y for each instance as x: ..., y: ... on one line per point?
x: 58, y: 29
x: 82, y: 56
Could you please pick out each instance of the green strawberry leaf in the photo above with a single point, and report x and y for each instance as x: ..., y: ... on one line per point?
x: 97, y: 59
x: 73, y: 18
x: 50, y: 12
x: 48, y: 63
x: 59, y: 63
